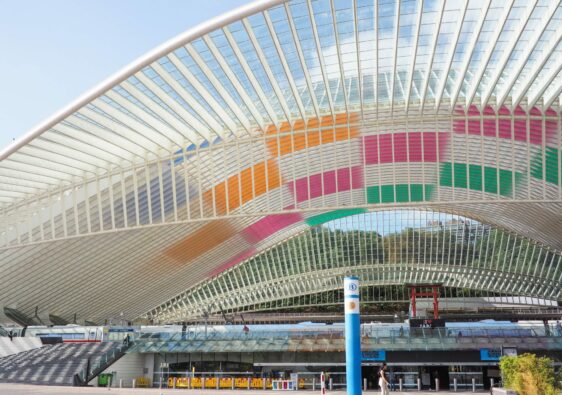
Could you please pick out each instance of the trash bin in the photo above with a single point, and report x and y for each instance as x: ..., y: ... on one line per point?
x: 104, y: 379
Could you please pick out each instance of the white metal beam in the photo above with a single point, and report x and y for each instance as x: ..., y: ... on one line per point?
x: 546, y: 81
x: 206, y: 131
x: 414, y: 55
x: 468, y: 55
x: 506, y: 55
x: 491, y: 45
x: 198, y: 107
x: 188, y: 75
x: 296, y: 41
x: 394, y: 57
x: 552, y: 97
x: 450, y: 56
x: 181, y: 127
x: 284, y: 63
x: 515, y: 71
x: 432, y: 55
x: 273, y: 116
x: 545, y: 55
x: 320, y: 56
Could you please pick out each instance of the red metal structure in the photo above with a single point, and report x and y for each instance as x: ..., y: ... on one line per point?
x: 425, y: 290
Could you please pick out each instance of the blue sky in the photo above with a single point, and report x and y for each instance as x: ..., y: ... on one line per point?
x: 52, y: 51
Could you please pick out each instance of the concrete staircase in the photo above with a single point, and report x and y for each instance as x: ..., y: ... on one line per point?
x: 51, y: 364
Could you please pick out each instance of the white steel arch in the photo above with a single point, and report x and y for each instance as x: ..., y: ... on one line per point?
x: 212, y: 147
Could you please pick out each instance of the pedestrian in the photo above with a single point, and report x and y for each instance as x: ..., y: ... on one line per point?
x: 11, y: 336
x: 392, y: 380
x: 546, y: 328
x: 558, y: 328
x: 383, y: 382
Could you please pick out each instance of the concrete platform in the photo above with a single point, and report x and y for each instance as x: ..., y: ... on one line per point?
x: 24, y: 389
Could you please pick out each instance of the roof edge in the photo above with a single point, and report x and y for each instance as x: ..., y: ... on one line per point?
x: 146, y: 59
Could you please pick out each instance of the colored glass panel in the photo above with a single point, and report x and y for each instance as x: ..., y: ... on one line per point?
x: 269, y: 225
x: 234, y: 261
x: 332, y: 215
x: 551, y: 171
x: 327, y: 183
x: 404, y: 147
x: 202, y: 240
x: 314, y: 133
x: 478, y: 178
x: 400, y: 193
x: 533, y: 133
x: 240, y: 189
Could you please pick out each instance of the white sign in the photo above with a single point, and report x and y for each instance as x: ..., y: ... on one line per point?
x: 351, y: 295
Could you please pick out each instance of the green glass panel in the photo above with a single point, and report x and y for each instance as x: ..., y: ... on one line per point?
x: 416, y: 193
x: 551, y: 170
x: 446, y: 175
x: 460, y: 175
x: 387, y: 193
x: 506, y: 182
x: 402, y: 193
x: 475, y: 177
x: 373, y: 194
x: 478, y: 178
x: 331, y: 215
x: 490, y: 180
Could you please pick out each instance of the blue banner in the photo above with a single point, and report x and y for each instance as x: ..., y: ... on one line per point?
x: 490, y: 354
x: 375, y: 355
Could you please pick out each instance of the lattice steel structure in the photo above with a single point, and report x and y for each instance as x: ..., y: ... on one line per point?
x: 432, y: 248
x: 249, y: 129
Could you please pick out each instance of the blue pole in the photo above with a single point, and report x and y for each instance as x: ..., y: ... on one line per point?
x: 352, y: 335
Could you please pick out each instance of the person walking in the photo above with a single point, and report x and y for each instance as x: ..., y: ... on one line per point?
x: 383, y: 382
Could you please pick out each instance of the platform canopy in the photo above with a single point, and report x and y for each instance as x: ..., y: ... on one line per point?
x: 242, y: 132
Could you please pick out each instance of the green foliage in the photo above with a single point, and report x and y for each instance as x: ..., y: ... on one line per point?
x: 528, y: 374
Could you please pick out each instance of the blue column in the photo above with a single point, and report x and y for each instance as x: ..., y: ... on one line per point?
x: 352, y: 335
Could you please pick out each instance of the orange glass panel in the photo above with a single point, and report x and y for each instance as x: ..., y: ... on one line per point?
x: 202, y: 240
x: 250, y: 183
x: 304, y: 136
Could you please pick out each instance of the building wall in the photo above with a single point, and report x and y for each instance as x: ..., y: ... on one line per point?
x: 129, y: 367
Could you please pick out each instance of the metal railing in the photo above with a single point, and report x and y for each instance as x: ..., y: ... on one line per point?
x: 101, y: 363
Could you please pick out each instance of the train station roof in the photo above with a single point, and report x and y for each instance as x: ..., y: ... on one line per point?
x: 274, y: 119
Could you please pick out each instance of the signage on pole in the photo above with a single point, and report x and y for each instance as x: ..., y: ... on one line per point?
x: 352, y: 335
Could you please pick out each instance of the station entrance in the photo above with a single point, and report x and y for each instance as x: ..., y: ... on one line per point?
x: 464, y: 377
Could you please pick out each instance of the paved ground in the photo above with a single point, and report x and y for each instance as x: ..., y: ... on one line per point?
x: 21, y: 389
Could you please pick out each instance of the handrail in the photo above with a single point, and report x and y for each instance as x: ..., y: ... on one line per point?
x: 103, y: 362
x: 391, y: 334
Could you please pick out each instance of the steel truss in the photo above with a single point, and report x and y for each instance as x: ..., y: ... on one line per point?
x: 449, y: 250
x: 166, y: 173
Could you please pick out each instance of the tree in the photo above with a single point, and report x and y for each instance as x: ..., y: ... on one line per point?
x: 528, y: 374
